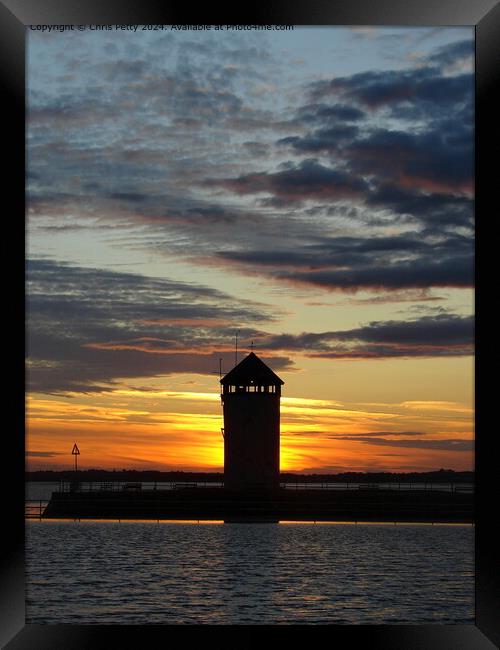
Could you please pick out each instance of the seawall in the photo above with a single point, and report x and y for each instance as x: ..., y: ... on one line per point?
x: 280, y: 505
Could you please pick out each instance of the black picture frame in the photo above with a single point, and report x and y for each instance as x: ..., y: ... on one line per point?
x: 15, y: 15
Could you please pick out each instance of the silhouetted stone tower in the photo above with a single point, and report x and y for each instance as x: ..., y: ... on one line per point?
x: 251, y: 403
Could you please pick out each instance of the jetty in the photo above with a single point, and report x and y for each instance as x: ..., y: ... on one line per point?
x: 367, y: 503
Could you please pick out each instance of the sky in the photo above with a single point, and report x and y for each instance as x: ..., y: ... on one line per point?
x: 311, y: 189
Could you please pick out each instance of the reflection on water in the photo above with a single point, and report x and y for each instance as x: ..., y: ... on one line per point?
x: 164, y: 573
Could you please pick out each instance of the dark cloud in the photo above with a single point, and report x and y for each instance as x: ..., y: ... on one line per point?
x: 450, y: 271
x: 426, y: 161
x: 440, y: 330
x: 452, y: 53
x: 89, y: 327
x: 444, y: 335
x: 444, y: 444
x: 421, y: 170
x: 435, y: 209
x: 329, y: 113
x: 327, y: 139
x: 308, y: 180
x: 376, y: 263
x: 376, y: 89
x: 431, y: 168
x: 438, y: 160
x: 134, y: 197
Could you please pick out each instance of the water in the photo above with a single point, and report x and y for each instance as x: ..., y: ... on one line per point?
x: 172, y: 573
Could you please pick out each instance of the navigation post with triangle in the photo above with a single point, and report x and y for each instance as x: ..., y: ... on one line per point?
x: 76, y: 452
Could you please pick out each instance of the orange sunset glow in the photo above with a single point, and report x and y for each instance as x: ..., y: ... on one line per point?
x: 181, y: 430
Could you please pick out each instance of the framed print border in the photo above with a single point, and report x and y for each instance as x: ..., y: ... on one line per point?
x: 15, y: 16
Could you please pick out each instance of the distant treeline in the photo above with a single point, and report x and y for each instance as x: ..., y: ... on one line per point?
x: 439, y: 476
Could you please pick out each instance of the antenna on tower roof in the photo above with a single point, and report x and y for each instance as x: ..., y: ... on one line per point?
x: 220, y: 369
x: 236, y: 350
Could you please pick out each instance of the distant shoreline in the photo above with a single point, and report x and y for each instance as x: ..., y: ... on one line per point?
x: 439, y: 476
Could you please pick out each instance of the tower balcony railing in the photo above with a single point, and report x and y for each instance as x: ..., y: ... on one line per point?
x: 252, y: 388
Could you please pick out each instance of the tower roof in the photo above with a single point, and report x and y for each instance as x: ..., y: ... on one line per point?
x: 251, y: 370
